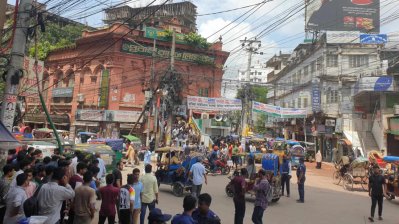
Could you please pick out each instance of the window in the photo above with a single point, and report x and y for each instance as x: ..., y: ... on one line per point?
x: 299, y: 77
x: 292, y: 103
x: 203, y: 92
x: 319, y: 63
x: 332, y: 60
x: 312, y: 67
x: 299, y: 103
x: 82, y: 80
x: 332, y: 96
x: 358, y: 61
x: 305, y: 102
x: 306, y: 70
x: 93, y: 79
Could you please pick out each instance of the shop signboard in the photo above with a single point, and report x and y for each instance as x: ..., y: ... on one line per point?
x: 90, y: 115
x: 104, y: 88
x: 340, y: 15
x: 213, y: 104
x: 120, y: 116
x: 133, y: 48
x: 375, y: 84
x: 154, y: 33
x: 316, y: 98
x: 373, y: 38
x: 62, y: 92
x: 343, y: 37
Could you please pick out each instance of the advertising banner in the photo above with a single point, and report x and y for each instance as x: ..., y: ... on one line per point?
x: 120, y: 116
x: 28, y: 83
x: 104, y: 88
x: 343, y: 15
x: 376, y: 84
x: 343, y: 37
x: 213, y: 104
x: 275, y: 111
x: 373, y: 38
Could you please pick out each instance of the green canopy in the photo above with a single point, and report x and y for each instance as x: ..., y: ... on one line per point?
x: 131, y: 138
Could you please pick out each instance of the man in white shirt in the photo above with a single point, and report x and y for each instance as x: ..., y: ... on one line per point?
x: 52, y: 194
x: 198, y: 173
x: 15, y: 200
x: 101, y: 165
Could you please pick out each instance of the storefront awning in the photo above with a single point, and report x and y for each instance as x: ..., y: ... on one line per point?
x: 353, y: 138
x: 7, y: 140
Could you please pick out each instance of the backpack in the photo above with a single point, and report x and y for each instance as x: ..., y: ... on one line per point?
x: 31, y: 205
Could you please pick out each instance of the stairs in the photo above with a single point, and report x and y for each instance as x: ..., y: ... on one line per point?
x: 368, y: 142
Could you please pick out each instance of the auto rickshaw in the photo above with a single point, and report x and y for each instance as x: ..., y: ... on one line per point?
x: 279, y: 148
x: 174, y: 175
x: 270, y: 163
x: 392, y: 174
x: 296, y: 152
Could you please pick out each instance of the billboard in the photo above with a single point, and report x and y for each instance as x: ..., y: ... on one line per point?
x: 343, y: 37
x: 343, y: 15
x: 213, y: 104
x: 373, y: 38
x: 276, y: 111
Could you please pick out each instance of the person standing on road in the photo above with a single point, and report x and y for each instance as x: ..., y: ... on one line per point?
x: 189, y: 204
x: 286, y: 175
x: 251, y: 165
x: 261, y: 188
x: 126, y: 202
x: 138, y: 190
x: 198, y: 172
x: 301, y: 175
x: 110, y: 196
x: 53, y: 194
x: 239, y: 186
x: 5, y: 181
x: 150, y: 192
x: 377, y: 191
x: 203, y: 215
x: 15, y: 200
x: 84, y: 201
x: 101, y: 165
x: 319, y: 158
x: 147, y: 156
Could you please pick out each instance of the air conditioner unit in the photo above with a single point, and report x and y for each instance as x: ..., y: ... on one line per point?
x: 81, y: 98
x: 204, y: 116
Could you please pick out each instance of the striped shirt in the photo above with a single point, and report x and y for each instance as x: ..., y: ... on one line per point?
x: 127, y: 195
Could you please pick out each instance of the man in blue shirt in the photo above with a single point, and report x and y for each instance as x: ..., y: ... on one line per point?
x: 189, y: 204
x: 203, y: 215
x: 286, y: 175
x: 198, y: 172
x: 300, y: 174
x: 138, y: 189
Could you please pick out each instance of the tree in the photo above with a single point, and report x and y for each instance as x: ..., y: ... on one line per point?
x: 259, y: 94
x: 55, y: 37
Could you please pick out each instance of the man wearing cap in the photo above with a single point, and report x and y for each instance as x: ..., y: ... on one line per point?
x: 156, y: 217
x: 300, y: 174
x: 197, y: 171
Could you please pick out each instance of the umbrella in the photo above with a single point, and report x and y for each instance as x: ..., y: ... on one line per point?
x: 131, y: 138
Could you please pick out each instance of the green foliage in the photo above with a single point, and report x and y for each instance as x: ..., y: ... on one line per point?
x: 196, y: 40
x: 260, y: 124
x: 55, y: 37
x: 256, y: 93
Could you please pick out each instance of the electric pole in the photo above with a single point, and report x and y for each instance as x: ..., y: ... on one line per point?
x: 251, y: 46
x: 16, y: 64
x: 151, y: 92
x: 3, y: 10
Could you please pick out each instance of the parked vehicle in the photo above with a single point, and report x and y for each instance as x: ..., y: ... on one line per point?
x: 353, y: 173
x: 392, y: 175
x: 310, y: 151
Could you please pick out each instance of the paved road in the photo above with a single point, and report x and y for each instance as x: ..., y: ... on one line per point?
x: 325, y: 203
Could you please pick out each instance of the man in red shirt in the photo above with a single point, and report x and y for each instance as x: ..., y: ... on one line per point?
x: 239, y: 186
x: 109, y: 195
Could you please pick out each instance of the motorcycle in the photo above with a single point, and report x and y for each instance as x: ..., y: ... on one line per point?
x: 221, y: 166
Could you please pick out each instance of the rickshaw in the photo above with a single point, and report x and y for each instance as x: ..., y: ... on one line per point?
x: 354, y: 173
x: 105, y: 151
x: 376, y: 157
x: 280, y: 148
x: 270, y: 163
x: 175, y: 176
x: 296, y: 152
x: 392, y: 174
x: 310, y: 151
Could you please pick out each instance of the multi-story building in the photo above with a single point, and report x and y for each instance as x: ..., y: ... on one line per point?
x: 99, y: 84
x: 165, y: 17
x: 320, y: 77
x: 258, y: 74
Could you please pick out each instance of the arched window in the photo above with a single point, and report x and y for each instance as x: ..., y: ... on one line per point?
x: 58, y: 79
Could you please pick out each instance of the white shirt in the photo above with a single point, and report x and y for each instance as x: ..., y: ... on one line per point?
x: 198, y: 171
x: 15, y: 198
x: 318, y: 157
x: 102, y: 171
x: 50, y: 197
x: 14, y: 180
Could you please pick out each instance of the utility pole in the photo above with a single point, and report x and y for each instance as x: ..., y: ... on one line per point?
x: 151, y: 92
x: 172, y: 70
x: 251, y: 46
x: 16, y: 64
x: 3, y: 10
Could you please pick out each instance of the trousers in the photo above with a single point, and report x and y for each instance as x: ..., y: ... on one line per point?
x: 196, y: 190
x: 257, y: 215
x: 301, y: 191
x: 239, y: 211
x: 144, y: 206
x: 374, y: 200
x: 285, y: 182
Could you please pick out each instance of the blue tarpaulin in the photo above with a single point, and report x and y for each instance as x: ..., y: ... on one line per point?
x: 5, y: 135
